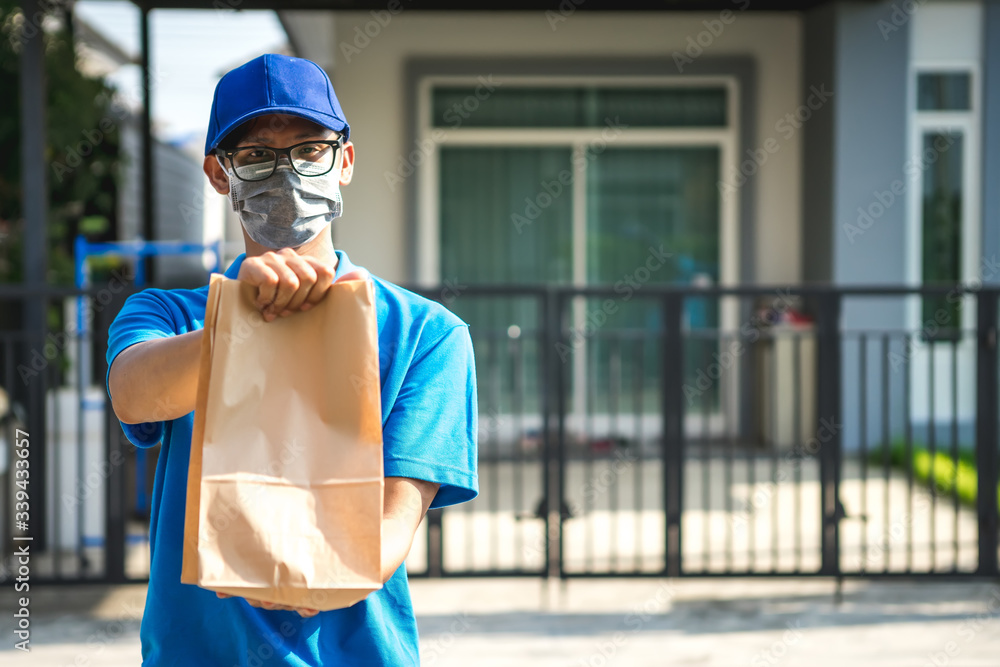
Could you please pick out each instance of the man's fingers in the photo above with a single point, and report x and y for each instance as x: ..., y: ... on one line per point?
x: 258, y: 273
x: 324, y: 278
x: 223, y: 596
x: 307, y: 276
x: 288, y: 283
x: 274, y: 606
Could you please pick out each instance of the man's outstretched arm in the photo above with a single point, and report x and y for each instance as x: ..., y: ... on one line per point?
x: 157, y: 380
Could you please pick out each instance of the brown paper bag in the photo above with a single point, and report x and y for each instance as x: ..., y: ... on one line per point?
x: 284, y: 497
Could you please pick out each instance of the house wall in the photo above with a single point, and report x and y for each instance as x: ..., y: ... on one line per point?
x: 186, y: 208
x: 181, y: 215
x: 369, y: 74
x: 869, y: 149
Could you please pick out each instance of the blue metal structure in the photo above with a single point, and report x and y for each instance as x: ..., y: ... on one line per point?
x: 139, y: 250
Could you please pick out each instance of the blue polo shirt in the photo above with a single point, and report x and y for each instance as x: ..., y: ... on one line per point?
x: 429, y: 433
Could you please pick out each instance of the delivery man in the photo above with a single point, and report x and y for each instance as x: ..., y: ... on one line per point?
x: 279, y: 146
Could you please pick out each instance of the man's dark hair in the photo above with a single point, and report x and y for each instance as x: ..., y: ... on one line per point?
x: 236, y: 135
x: 240, y: 132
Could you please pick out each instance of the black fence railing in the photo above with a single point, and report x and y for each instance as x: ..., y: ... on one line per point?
x: 663, y: 431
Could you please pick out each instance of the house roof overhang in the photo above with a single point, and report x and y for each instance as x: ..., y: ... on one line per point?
x: 492, y: 5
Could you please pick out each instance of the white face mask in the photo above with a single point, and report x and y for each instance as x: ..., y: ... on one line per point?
x: 286, y: 210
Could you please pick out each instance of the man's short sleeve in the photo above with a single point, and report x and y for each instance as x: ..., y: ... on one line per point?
x: 430, y: 433
x: 143, y: 317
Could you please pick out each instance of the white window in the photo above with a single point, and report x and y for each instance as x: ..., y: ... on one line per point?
x: 578, y: 181
x: 942, y: 181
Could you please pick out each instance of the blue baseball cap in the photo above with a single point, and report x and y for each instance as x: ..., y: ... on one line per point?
x: 274, y: 83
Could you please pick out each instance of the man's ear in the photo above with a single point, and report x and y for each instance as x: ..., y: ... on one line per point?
x: 347, y: 165
x: 217, y: 176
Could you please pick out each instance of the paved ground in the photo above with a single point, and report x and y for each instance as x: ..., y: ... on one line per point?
x: 627, y: 622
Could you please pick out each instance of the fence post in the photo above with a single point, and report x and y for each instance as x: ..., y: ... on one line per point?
x: 34, y: 187
x: 672, y: 396
x: 114, y: 490
x: 435, y: 543
x: 828, y: 410
x: 553, y: 406
x: 986, y: 429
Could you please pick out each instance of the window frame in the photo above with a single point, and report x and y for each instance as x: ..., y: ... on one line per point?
x: 430, y: 139
x: 967, y: 124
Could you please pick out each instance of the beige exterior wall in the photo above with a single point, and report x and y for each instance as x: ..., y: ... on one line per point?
x: 371, y: 87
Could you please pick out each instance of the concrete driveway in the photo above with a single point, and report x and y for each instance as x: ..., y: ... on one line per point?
x: 627, y: 622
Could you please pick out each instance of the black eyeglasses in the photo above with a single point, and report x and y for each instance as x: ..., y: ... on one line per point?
x: 255, y: 163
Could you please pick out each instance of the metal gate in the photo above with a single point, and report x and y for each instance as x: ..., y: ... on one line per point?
x: 657, y: 431
x: 740, y: 432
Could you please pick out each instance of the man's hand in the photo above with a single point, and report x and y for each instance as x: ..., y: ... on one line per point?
x: 286, y: 282
x: 405, y: 504
x: 305, y: 613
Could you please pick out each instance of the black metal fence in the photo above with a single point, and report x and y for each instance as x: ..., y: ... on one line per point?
x: 658, y: 431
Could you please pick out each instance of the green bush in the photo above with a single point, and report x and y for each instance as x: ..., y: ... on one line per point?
x: 947, y: 475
